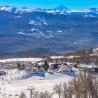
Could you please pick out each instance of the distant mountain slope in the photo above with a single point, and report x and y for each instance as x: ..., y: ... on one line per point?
x: 55, y: 30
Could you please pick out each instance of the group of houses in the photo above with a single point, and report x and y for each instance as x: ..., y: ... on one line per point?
x: 47, y: 66
x: 58, y: 67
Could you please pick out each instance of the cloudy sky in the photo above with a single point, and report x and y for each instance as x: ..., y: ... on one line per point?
x: 73, y: 4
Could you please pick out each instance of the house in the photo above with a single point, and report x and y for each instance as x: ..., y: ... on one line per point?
x: 2, y: 73
x: 65, y: 68
x: 55, y: 66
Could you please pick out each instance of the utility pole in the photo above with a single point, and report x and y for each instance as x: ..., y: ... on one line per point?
x: 31, y: 89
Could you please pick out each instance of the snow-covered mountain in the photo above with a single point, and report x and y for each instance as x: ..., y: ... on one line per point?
x: 61, y: 9
x: 18, y: 10
x: 47, y: 30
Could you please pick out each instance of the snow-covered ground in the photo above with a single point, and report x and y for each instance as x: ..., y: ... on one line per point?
x: 33, y: 59
x: 20, y: 59
x: 16, y: 82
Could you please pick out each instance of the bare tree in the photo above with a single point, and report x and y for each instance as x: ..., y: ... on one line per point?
x: 85, y: 85
x: 42, y: 95
x: 67, y: 90
x: 22, y: 95
x: 58, y: 89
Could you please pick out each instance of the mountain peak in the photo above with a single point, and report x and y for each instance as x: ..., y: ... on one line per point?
x: 93, y: 9
x: 8, y: 8
x: 61, y: 7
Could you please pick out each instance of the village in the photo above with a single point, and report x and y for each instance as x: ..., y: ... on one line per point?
x: 46, y: 64
x: 43, y: 65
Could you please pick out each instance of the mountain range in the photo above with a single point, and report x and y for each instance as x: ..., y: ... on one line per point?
x: 45, y: 31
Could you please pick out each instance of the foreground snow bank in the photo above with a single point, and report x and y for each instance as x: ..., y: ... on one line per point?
x: 12, y: 84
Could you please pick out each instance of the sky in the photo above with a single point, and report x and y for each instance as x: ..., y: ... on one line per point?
x: 72, y: 4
